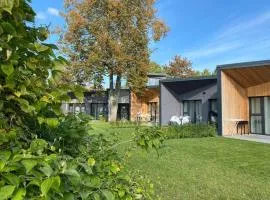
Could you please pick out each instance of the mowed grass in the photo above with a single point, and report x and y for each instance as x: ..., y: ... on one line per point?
x: 204, y: 168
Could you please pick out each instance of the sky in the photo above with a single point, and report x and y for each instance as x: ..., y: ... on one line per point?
x: 208, y: 32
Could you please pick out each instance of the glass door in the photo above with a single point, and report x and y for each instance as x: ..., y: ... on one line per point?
x: 267, y: 115
x: 256, y: 115
x: 98, y: 110
x: 152, y: 106
x: 193, y: 109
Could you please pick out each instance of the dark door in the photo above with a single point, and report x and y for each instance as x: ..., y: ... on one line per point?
x: 123, y: 111
x: 152, y: 106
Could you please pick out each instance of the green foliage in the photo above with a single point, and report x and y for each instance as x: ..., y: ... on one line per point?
x: 190, y: 131
x: 149, y: 138
x: 44, y: 154
x: 155, y: 68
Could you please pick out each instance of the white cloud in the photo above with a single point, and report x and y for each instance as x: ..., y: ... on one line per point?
x: 239, y: 38
x: 53, y: 11
x: 212, y: 50
x: 41, y: 15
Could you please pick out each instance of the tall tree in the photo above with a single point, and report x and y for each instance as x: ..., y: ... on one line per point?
x: 111, y: 38
x: 179, y: 67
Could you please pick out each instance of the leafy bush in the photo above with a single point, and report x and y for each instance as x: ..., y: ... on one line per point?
x: 44, y: 154
x: 39, y: 170
x: 190, y: 131
x: 149, y: 137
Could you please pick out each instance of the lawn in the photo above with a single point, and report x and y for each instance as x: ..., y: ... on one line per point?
x: 204, y: 168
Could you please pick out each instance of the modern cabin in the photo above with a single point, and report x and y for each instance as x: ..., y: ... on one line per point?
x: 193, y: 97
x: 95, y: 103
x: 244, y: 98
x: 145, y: 106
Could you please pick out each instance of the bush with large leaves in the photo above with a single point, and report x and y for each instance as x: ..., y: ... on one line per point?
x: 43, y: 154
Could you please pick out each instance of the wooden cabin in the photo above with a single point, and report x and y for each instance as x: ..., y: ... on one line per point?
x: 244, y: 98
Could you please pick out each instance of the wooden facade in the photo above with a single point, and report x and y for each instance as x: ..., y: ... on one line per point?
x: 140, y: 104
x: 234, y: 104
x: 237, y: 85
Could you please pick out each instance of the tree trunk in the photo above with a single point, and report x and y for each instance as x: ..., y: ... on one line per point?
x: 113, y: 98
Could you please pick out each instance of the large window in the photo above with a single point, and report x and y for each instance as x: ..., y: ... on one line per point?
x: 193, y: 109
x: 213, y: 105
x: 98, y: 110
x: 153, y: 81
x: 260, y: 115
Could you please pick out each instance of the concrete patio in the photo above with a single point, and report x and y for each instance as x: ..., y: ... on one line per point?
x: 252, y: 137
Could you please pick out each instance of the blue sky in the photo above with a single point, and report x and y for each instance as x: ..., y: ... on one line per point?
x: 208, y: 32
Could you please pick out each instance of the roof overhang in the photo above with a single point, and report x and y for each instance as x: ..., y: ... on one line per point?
x: 248, y: 74
x: 180, y: 86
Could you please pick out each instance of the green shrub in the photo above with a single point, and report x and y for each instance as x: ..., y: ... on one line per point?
x: 44, y: 154
x: 190, y: 131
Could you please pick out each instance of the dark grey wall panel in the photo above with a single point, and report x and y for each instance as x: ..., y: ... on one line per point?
x: 169, y: 105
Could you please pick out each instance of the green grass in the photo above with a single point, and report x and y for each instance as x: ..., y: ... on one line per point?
x: 204, y: 168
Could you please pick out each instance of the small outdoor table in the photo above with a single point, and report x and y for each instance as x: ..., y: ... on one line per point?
x: 233, y: 125
x: 241, y: 124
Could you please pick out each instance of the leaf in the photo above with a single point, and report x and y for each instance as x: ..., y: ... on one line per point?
x: 6, y: 191
x: 8, y: 28
x: 5, y: 155
x: 52, y: 182
x: 24, y: 104
x: 52, y: 46
x: 56, y: 183
x: 96, y: 196
x: 114, y: 168
x: 47, y: 170
x: 121, y: 193
x: 2, y: 165
x: 72, y: 172
x: 108, y: 194
x: 52, y: 122
x: 69, y: 196
x: 91, y: 162
x: 29, y: 164
x: 38, y: 146
x: 40, y: 47
x: 19, y: 195
x: 7, y: 5
x: 7, y: 69
x: 156, y: 143
x: 12, y: 179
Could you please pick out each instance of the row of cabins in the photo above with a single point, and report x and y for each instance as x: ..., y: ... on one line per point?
x: 238, y: 98
x: 130, y: 105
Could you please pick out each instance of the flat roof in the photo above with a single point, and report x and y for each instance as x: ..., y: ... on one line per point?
x: 157, y: 74
x: 180, y: 86
x: 260, y: 63
x: 194, y: 78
